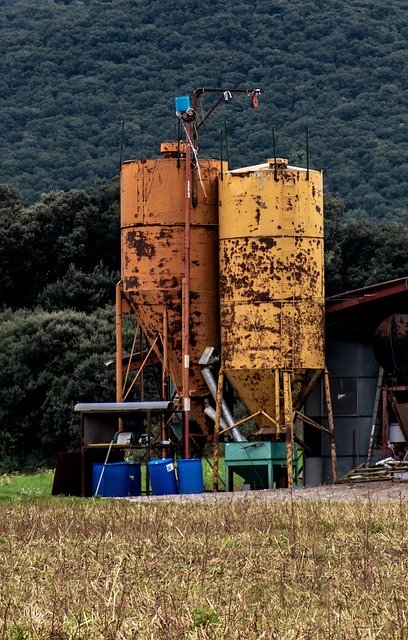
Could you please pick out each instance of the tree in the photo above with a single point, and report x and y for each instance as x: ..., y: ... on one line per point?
x: 48, y: 362
x: 51, y: 251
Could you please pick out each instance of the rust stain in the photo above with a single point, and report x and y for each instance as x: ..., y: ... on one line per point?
x: 152, y: 220
x: 271, y: 281
x: 136, y: 240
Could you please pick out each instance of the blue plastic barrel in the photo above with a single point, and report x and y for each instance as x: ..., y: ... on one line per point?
x: 162, y: 477
x: 190, y: 475
x: 119, y: 479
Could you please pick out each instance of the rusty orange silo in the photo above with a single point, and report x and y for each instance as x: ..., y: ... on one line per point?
x: 152, y: 269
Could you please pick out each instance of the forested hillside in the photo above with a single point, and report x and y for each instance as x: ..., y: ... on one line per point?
x: 71, y: 71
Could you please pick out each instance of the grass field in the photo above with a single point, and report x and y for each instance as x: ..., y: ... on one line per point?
x: 37, y: 485
x: 239, y: 569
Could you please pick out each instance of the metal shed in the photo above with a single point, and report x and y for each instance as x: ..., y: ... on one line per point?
x: 356, y: 379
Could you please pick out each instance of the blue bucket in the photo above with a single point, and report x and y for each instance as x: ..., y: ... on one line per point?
x: 190, y: 475
x: 162, y: 477
x: 119, y: 479
x: 182, y: 103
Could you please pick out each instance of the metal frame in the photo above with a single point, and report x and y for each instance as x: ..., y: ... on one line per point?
x: 286, y: 426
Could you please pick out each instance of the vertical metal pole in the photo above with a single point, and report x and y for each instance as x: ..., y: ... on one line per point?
x: 141, y: 358
x: 178, y: 143
x: 375, y: 415
x: 119, y: 349
x: 186, y: 304
x: 275, y: 169
x: 277, y: 404
x: 384, y: 430
x: 149, y: 450
x: 226, y: 144
x: 222, y: 155
x: 122, y: 139
x: 82, y: 457
x: 307, y: 153
x: 218, y: 411
x: 330, y: 424
x: 164, y: 378
x: 288, y: 413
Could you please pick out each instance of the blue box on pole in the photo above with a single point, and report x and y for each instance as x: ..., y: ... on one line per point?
x: 182, y: 103
x: 119, y: 479
x: 190, y: 475
x: 162, y: 477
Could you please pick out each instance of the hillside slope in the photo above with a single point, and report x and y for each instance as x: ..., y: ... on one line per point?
x: 73, y: 70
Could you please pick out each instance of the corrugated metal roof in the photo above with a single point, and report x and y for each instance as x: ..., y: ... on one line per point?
x: 356, y: 314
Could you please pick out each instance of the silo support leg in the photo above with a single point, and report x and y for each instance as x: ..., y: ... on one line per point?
x: 330, y: 424
x: 288, y: 414
x: 218, y: 410
x: 119, y: 349
x: 277, y: 403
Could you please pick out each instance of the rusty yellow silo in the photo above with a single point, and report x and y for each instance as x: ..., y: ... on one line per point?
x: 152, y: 250
x: 272, y: 285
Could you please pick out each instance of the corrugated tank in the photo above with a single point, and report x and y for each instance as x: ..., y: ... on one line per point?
x: 152, y: 250
x: 271, y: 280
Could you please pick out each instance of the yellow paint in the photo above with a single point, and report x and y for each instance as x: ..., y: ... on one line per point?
x: 271, y: 278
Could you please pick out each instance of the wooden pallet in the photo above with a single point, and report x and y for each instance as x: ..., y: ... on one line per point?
x: 395, y: 470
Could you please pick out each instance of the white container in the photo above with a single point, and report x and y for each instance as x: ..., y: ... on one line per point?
x: 396, y: 434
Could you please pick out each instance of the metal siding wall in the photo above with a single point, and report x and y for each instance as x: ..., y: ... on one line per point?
x: 367, y: 364
x: 341, y: 358
x: 345, y: 444
x: 353, y: 380
x: 344, y: 464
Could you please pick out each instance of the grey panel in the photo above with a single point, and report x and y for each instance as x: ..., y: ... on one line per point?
x: 313, y: 405
x: 367, y: 364
x: 313, y: 472
x: 344, y: 465
x: 341, y: 358
x: 351, y: 358
x: 346, y: 443
x: 344, y: 396
x: 367, y: 388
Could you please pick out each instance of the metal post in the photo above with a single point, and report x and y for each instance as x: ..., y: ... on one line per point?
x: 218, y: 410
x: 149, y: 450
x: 164, y: 374
x: 307, y: 154
x: 82, y: 457
x: 119, y: 349
x: 186, y: 303
x: 330, y: 424
x: 385, y: 429
x: 141, y: 340
x: 375, y: 415
x: 277, y: 415
x: 288, y: 414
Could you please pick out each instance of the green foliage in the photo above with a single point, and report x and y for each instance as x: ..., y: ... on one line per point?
x: 62, y: 251
x: 204, y: 616
x: 19, y: 632
x: 48, y: 362
x: 73, y: 70
x: 361, y: 252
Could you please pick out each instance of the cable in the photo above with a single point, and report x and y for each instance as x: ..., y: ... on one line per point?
x: 195, y: 157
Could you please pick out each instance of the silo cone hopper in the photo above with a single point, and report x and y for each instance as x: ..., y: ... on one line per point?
x: 272, y: 292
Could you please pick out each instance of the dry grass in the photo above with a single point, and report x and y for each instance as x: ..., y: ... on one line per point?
x: 239, y: 570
